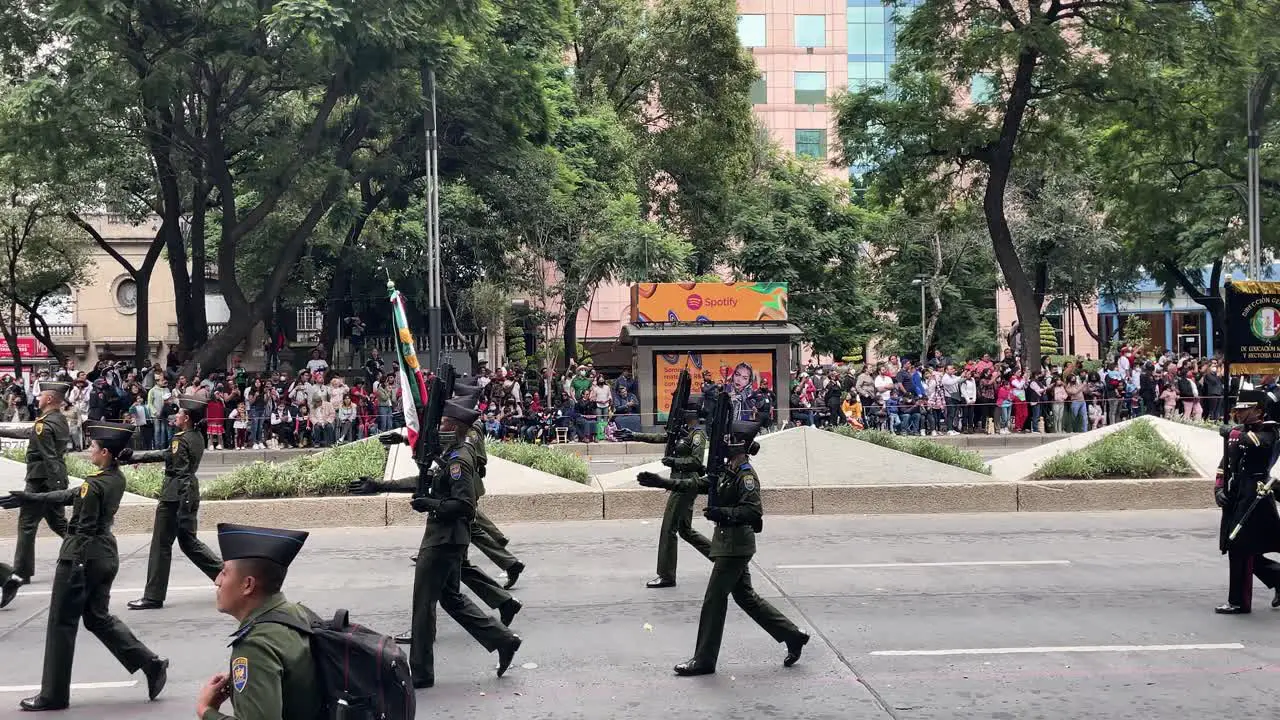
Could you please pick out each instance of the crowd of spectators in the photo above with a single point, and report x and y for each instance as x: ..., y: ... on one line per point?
x: 943, y: 396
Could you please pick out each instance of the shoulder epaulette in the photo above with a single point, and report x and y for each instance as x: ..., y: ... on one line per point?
x: 240, y: 634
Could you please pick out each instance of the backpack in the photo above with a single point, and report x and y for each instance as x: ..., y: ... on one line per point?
x: 363, y: 675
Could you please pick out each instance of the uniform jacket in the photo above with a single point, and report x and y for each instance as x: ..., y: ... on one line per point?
x: 738, y: 496
x: 273, y: 676
x: 94, y: 506
x: 454, y: 487
x: 690, y: 453
x: 47, y: 440
x: 1246, y: 464
x: 475, y: 440
x: 181, y: 462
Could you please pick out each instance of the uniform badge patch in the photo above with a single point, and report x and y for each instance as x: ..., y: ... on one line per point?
x: 173, y: 446
x: 749, y: 483
x: 455, y: 471
x: 39, y: 427
x: 240, y: 673
x: 84, y: 489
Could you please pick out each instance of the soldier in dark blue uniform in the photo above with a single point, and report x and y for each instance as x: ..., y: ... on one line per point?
x: 738, y: 516
x: 1251, y: 449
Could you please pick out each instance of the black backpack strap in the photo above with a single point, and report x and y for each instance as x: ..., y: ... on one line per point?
x: 281, y: 618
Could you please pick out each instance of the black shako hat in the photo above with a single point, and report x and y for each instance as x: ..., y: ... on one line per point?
x: 742, y: 434
x: 240, y: 542
x: 55, y: 386
x: 1251, y: 398
x: 110, y: 435
x: 461, y: 413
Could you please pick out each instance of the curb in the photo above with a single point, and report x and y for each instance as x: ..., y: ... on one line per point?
x: 645, y: 503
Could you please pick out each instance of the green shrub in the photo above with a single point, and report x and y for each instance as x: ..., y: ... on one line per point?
x: 326, y: 472
x: 920, y: 447
x: 1136, y: 451
x: 142, y: 480
x: 540, y: 457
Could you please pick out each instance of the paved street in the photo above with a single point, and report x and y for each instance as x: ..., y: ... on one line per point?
x: 983, y: 633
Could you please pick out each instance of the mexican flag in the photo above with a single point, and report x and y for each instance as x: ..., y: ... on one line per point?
x: 413, y: 389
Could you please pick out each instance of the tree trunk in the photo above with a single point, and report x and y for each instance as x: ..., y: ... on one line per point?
x: 197, y: 314
x: 40, y: 331
x: 11, y: 336
x: 142, y: 320
x: 570, y: 334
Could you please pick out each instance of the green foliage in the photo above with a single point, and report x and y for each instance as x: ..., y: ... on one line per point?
x: 540, y: 457
x: 1082, y: 363
x: 1137, y: 451
x: 516, y: 354
x: 1136, y: 331
x: 938, y: 452
x: 1048, y: 340
x: 324, y: 473
x: 797, y: 226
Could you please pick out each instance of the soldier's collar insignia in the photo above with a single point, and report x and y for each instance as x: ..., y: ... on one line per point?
x: 240, y: 673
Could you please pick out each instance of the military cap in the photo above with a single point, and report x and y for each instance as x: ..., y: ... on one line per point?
x: 55, y: 386
x: 461, y: 413
x: 240, y: 542
x: 693, y: 409
x: 110, y: 435
x: 460, y: 389
x: 191, y: 402
x: 743, y: 434
x: 1251, y: 398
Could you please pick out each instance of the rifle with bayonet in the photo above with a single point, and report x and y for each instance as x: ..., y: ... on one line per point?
x: 675, y: 416
x: 428, y: 449
x: 718, y: 436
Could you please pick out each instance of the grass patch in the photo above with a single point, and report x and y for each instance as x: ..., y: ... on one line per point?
x: 920, y: 447
x: 142, y: 480
x: 540, y: 457
x: 1135, y: 452
x: 323, y: 473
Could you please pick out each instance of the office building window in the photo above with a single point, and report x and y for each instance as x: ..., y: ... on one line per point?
x: 759, y: 91
x: 980, y: 88
x: 811, y: 88
x: 812, y: 143
x: 811, y: 31
x: 751, y: 30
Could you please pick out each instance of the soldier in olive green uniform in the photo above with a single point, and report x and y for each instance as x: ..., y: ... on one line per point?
x: 677, y: 518
x: 47, y: 440
x: 87, y: 565
x: 272, y: 674
x: 738, y: 517
x: 176, y: 512
x: 450, y: 508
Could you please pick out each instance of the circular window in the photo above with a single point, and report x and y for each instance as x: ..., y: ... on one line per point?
x: 127, y: 296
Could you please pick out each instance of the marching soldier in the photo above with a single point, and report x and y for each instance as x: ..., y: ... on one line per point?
x: 176, y: 511
x: 485, y: 535
x: 87, y: 565
x: 47, y: 440
x: 272, y: 673
x: 450, y: 508
x: 677, y: 518
x: 1242, y: 477
x: 738, y: 517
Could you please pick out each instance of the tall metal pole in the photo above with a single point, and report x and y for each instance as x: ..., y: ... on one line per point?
x: 430, y: 167
x: 1255, y: 209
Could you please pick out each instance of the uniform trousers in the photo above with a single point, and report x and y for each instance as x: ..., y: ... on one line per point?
x: 92, y: 603
x: 176, y: 520
x: 677, y: 522
x: 1244, y: 566
x: 29, y: 517
x: 730, y: 576
x: 489, y: 527
x: 489, y: 544
x: 437, y: 581
x: 489, y: 591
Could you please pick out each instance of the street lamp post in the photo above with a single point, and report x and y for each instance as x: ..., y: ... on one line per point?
x: 431, y: 172
x: 923, y: 340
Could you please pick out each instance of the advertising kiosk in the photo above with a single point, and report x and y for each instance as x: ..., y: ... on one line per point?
x: 733, y: 333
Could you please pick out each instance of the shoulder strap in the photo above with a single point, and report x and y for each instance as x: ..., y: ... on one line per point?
x: 303, y: 626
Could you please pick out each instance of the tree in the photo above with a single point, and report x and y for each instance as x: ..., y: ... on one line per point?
x: 1036, y: 56
x: 41, y: 255
x: 947, y: 247
x: 798, y: 227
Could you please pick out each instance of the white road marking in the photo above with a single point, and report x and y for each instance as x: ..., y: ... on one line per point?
x: 969, y: 563
x: 74, y: 686
x: 1063, y: 649
x: 129, y: 591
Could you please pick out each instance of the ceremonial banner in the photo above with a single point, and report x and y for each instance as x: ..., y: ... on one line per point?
x: 744, y: 372
x: 413, y: 385
x: 1253, y: 327
x: 708, y: 302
